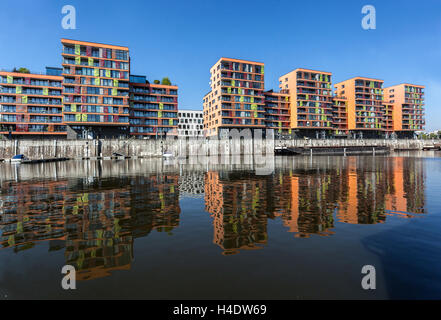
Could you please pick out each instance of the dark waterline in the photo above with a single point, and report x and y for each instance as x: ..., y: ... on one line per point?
x: 154, y: 229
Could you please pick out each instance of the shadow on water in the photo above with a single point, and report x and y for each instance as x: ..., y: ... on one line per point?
x: 410, y: 254
x: 410, y: 261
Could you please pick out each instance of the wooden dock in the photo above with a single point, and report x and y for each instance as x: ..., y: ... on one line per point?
x: 349, y: 150
x: 30, y: 161
x: 433, y: 147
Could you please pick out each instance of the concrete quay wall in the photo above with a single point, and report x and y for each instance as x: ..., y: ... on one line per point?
x: 77, y: 149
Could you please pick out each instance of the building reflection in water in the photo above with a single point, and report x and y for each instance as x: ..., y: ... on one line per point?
x: 191, y: 184
x: 311, y: 195
x: 371, y: 190
x: 95, y: 221
x: 94, y: 211
x: 237, y: 203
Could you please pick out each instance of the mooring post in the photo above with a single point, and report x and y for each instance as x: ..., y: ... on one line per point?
x: 55, y: 148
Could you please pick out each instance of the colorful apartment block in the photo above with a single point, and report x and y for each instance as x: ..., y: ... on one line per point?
x: 340, y: 116
x: 153, y: 108
x: 277, y: 113
x: 93, y: 95
x: 388, y: 121
x: 31, y: 105
x: 407, y: 102
x: 96, y: 89
x: 365, y: 105
x: 310, y: 95
x: 236, y: 99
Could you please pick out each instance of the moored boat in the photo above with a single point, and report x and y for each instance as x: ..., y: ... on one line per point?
x: 18, y: 158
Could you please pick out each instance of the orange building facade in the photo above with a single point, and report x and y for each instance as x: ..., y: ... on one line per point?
x: 31, y: 105
x: 310, y: 95
x: 340, y: 116
x: 407, y: 104
x: 388, y: 121
x: 99, y: 98
x: 277, y: 113
x: 236, y: 99
x: 92, y: 95
x: 365, y: 110
x: 96, y: 89
x: 153, y: 108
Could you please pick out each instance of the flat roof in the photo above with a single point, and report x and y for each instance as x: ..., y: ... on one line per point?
x: 406, y: 84
x: 104, y: 45
x: 30, y: 75
x: 305, y: 69
x: 239, y: 60
x: 363, y: 78
x: 190, y: 110
x: 154, y: 85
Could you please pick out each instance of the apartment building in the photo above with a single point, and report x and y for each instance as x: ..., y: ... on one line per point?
x: 191, y: 123
x: 365, y: 106
x: 310, y: 96
x: 236, y: 99
x: 388, y: 121
x: 407, y: 109
x: 153, y: 108
x: 277, y: 113
x: 340, y: 116
x: 94, y: 95
x: 31, y: 105
x: 95, y: 89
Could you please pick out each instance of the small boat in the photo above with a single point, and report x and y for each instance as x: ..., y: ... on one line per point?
x: 116, y: 154
x: 167, y: 155
x: 19, y: 158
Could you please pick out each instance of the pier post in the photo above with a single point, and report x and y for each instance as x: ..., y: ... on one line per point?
x: 55, y: 148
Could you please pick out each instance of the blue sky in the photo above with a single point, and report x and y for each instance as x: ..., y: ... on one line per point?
x: 183, y: 39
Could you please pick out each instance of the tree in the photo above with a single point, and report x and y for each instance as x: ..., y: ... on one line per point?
x: 21, y: 70
x: 156, y: 81
x: 166, y: 81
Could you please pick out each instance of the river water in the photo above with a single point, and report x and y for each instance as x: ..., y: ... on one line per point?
x: 168, y: 229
